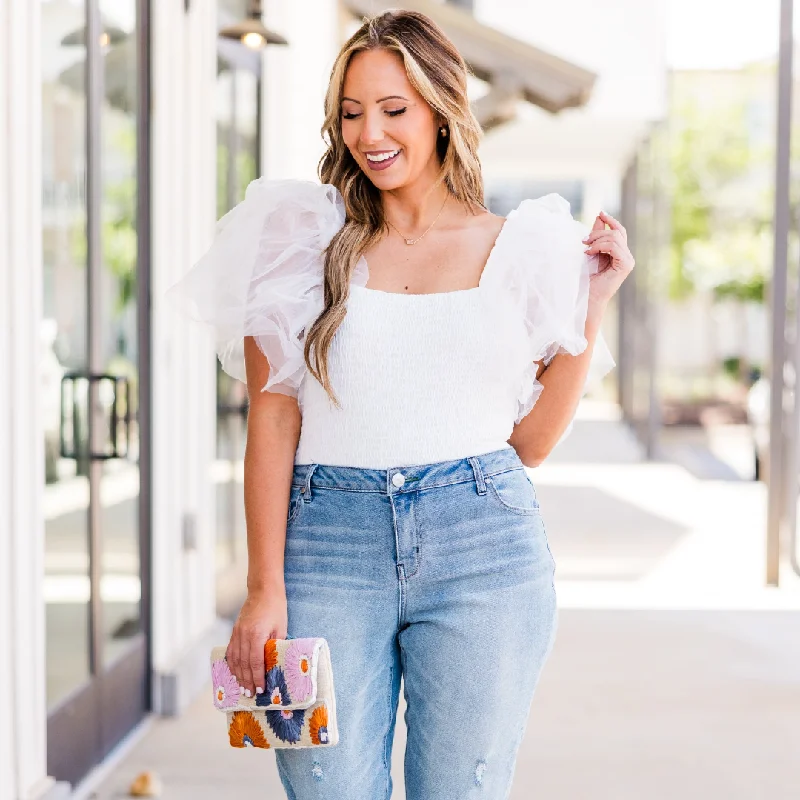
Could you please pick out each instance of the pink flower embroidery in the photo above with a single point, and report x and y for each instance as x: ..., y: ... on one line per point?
x: 297, y: 669
x: 226, y: 688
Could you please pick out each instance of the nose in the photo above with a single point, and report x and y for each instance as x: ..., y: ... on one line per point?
x: 371, y: 130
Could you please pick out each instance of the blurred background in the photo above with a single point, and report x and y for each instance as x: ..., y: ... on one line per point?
x: 130, y: 126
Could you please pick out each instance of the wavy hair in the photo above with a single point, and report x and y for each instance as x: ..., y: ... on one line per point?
x: 438, y: 72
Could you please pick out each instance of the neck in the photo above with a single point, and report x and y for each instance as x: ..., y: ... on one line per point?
x: 413, y: 207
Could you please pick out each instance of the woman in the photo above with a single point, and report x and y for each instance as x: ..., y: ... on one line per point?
x: 407, y: 354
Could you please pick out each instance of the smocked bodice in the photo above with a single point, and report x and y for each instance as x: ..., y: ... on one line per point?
x: 419, y: 378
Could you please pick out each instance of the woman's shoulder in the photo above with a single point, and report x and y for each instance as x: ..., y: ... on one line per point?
x: 289, y: 206
x: 541, y: 268
x: 293, y: 189
x: 540, y: 241
x: 262, y: 275
x: 549, y: 215
x: 545, y: 274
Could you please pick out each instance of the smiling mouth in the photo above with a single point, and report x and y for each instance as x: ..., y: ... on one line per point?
x: 382, y: 160
x: 378, y: 157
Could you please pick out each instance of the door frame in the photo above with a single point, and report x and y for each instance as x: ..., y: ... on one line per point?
x: 90, y: 722
x: 144, y: 282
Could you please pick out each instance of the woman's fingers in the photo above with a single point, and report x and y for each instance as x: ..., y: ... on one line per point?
x: 610, y: 247
x: 602, y: 246
x: 247, y: 679
x: 233, y: 657
x: 615, y: 224
x: 599, y: 228
x: 599, y: 224
x: 593, y: 236
x: 620, y: 258
x: 257, y: 670
x: 252, y: 661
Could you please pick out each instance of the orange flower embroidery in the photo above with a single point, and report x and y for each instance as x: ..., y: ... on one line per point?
x: 318, y: 725
x: 270, y: 654
x: 244, y: 731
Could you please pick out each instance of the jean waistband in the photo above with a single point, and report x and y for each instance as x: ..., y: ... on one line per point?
x: 396, y: 480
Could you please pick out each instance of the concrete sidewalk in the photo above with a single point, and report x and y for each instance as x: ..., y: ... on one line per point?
x: 675, y: 672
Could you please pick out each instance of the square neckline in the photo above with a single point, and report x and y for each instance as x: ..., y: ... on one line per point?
x: 471, y: 289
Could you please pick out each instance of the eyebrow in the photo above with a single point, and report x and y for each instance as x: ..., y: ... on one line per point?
x: 390, y: 97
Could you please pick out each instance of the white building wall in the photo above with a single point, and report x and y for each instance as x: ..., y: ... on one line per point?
x: 23, y: 723
x: 295, y: 80
x: 184, y: 387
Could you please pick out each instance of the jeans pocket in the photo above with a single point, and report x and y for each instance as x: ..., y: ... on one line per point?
x: 514, y: 491
x: 295, y: 502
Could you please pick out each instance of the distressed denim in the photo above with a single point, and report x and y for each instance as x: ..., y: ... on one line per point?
x: 437, y: 572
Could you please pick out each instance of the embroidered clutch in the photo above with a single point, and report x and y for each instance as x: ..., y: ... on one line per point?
x: 298, y: 705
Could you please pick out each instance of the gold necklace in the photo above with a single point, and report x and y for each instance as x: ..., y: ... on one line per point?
x: 414, y: 241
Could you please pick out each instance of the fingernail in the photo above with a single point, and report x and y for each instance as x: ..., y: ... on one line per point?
x: 241, y: 690
x: 247, y: 693
x: 259, y: 690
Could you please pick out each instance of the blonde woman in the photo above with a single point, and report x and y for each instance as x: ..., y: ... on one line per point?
x: 407, y: 355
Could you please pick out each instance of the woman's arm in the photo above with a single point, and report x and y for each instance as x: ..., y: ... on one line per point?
x: 563, y: 380
x: 273, y: 430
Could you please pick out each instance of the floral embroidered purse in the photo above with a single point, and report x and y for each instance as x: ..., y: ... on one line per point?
x: 298, y: 705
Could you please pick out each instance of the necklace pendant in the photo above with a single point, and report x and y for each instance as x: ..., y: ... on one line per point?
x: 411, y: 241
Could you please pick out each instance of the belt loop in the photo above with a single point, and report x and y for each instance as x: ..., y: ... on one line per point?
x: 476, y: 468
x: 306, y: 490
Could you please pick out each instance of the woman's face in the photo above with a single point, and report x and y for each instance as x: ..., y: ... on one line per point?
x: 388, y: 127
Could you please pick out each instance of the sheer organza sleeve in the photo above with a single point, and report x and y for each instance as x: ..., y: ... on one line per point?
x: 263, y: 276
x: 548, y: 273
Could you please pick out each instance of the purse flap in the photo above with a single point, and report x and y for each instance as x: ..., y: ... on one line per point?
x: 290, y: 681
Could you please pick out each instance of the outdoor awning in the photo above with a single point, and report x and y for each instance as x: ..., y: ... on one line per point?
x: 515, y: 70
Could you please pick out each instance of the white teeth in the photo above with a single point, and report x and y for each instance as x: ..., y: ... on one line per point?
x: 382, y: 156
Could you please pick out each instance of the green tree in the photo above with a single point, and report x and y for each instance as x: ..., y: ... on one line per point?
x: 718, y: 203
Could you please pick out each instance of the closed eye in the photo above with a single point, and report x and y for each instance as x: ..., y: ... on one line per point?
x: 395, y: 113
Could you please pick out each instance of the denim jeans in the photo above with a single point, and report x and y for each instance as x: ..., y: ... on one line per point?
x: 437, y: 572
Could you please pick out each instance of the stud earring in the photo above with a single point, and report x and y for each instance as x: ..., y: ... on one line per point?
x: 443, y: 131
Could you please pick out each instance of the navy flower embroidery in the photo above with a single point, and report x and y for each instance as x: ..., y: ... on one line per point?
x: 286, y: 723
x: 277, y: 692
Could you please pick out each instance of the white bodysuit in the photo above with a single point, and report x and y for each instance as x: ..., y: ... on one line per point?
x: 420, y: 378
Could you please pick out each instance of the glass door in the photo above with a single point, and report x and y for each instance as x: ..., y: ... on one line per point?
x: 96, y: 521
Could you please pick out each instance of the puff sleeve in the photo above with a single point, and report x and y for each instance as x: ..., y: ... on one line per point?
x: 548, y: 273
x: 263, y: 276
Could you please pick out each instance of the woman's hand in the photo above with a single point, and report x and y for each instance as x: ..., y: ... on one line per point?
x: 616, y: 260
x: 263, y: 616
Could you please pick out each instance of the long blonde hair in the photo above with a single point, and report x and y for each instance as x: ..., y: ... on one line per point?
x: 438, y: 72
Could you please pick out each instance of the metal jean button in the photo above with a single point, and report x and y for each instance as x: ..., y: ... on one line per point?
x: 398, y: 479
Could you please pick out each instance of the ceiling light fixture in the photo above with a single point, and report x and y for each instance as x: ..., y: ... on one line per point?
x: 251, y: 32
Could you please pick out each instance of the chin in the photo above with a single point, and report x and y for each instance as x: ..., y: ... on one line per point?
x: 387, y: 180
x: 387, y: 183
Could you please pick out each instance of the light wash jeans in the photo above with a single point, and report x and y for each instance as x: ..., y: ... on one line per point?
x: 437, y: 572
